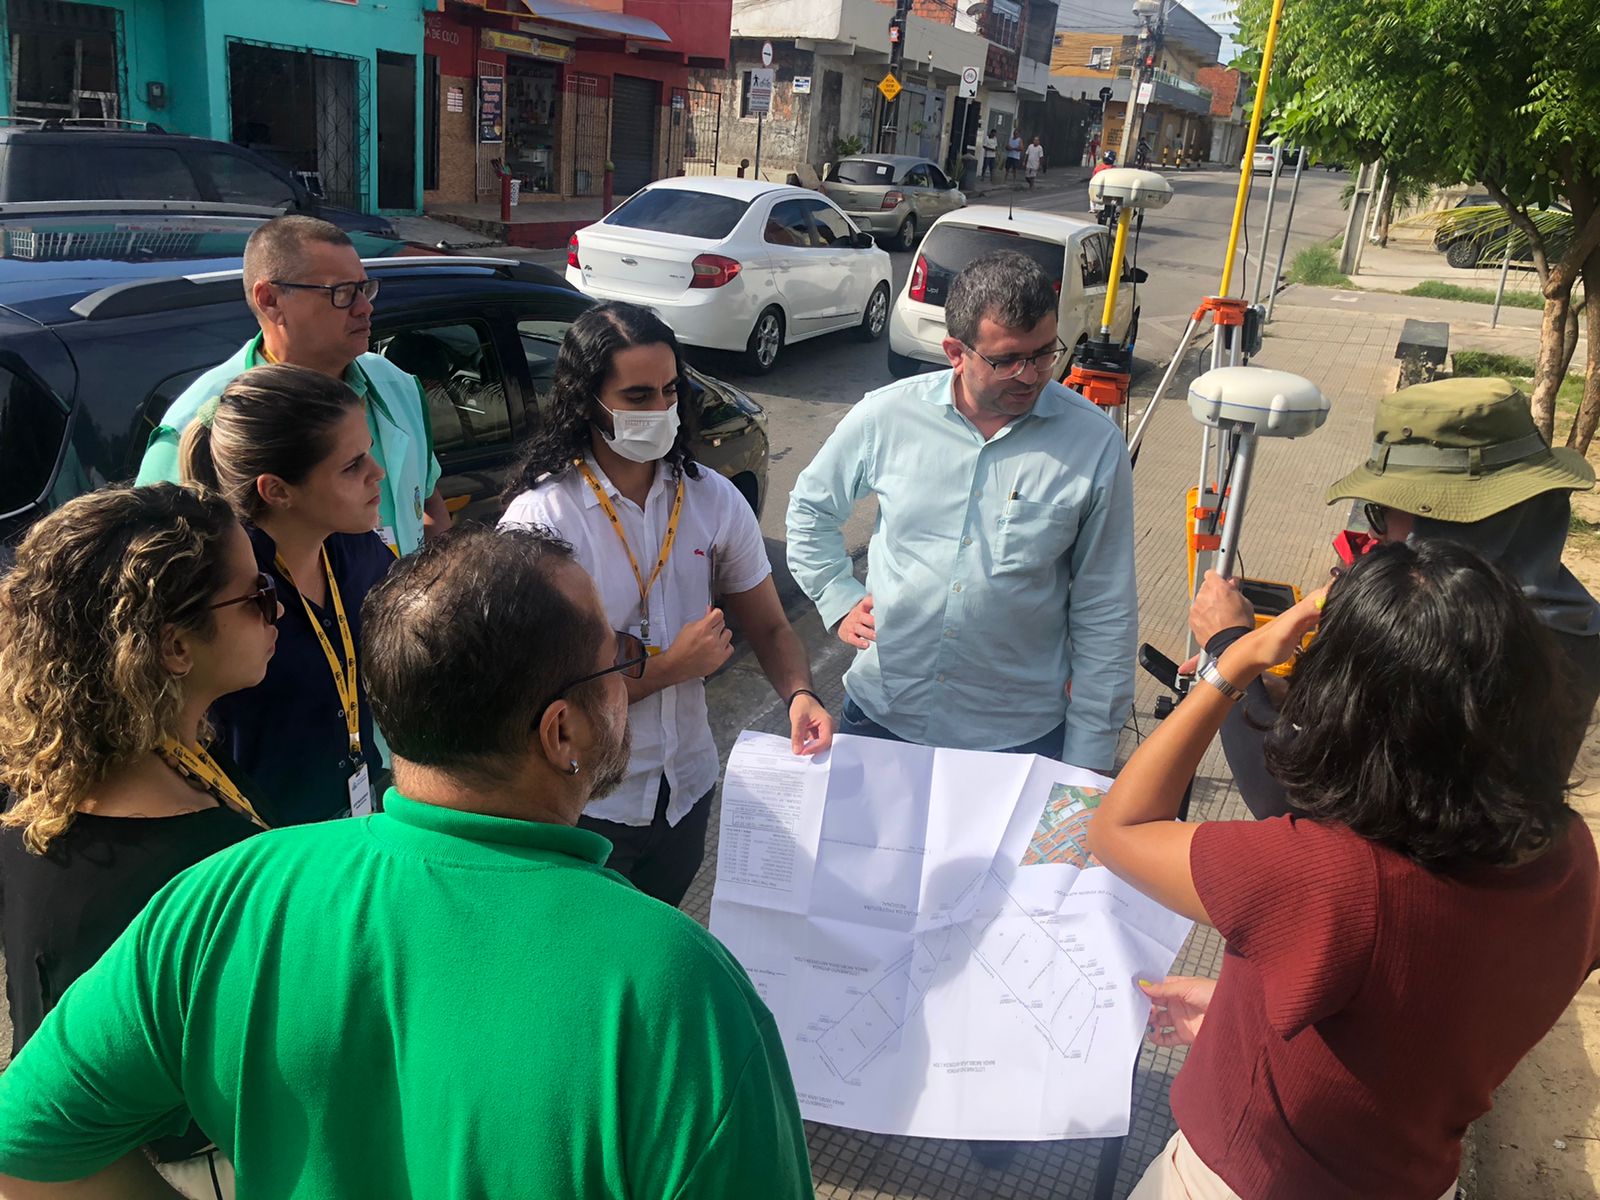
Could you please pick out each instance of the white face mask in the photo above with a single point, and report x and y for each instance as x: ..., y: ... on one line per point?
x: 642, y: 437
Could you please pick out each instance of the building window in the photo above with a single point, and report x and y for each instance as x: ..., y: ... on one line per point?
x: 1100, y: 58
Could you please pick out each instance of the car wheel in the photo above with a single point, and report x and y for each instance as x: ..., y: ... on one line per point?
x: 902, y: 367
x: 906, y: 239
x: 766, y: 342
x: 1463, y: 254
x: 876, y: 319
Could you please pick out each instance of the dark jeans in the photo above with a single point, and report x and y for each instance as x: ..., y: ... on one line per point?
x: 660, y: 860
x: 856, y: 722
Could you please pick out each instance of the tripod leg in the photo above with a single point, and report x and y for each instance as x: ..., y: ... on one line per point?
x: 1161, y: 388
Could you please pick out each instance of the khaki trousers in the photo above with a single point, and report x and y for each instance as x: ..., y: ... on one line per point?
x: 1178, y: 1174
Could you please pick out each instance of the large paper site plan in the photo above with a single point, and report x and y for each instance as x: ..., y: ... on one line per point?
x: 942, y: 957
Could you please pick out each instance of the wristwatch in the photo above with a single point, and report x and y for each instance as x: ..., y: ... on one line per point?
x: 1209, y: 672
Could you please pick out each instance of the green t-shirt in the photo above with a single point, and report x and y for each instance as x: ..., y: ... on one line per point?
x: 417, y: 1003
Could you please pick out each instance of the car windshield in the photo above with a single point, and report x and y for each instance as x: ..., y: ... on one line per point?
x: 677, y: 210
x: 861, y: 171
x: 948, y: 248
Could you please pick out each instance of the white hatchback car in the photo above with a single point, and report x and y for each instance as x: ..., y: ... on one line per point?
x: 735, y: 264
x: 1075, y: 253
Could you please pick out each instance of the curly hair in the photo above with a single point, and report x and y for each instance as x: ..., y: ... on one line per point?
x: 1428, y: 713
x: 581, y: 368
x: 82, y: 689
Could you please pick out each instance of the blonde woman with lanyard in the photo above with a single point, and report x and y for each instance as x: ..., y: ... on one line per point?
x: 611, y: 472
x: 290, y: 450
x: 129, y: 612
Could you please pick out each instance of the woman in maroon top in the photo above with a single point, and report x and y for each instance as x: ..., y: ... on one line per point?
x: 1410, y: 931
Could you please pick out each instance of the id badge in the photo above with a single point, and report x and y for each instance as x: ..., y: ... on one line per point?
x: 386, y: 532
x: 360, y: 786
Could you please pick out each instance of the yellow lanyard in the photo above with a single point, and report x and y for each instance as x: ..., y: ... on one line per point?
x: 344, y: 676
x: 202, y: 768
x: 616, y: 524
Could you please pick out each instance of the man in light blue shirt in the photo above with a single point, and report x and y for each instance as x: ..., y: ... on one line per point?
x: 999, y: 611
x: 304, y: 281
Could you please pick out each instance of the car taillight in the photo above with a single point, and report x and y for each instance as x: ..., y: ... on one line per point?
x: 714, y: 270
x: 919, y: 280
x: 893, y: 199
x: 572, y: 252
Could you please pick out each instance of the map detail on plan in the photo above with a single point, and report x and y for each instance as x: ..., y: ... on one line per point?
x: 942, y: 955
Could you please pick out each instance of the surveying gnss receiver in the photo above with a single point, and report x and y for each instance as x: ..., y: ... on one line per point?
x: 1103, y: 367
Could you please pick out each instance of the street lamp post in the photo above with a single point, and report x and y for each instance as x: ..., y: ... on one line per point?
x: 1149, y: 44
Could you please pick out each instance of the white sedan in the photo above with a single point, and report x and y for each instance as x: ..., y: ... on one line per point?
x: 735, y: 264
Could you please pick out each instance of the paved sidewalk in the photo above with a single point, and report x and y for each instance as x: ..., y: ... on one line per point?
x: 1286, y: 535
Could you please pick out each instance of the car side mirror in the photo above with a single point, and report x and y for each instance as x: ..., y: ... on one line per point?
x: 862, y: 241
x: 1140, y: 274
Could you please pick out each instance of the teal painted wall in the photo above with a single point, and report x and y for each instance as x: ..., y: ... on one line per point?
x: 184, y: 44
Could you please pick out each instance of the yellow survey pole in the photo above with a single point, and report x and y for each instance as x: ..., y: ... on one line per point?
x: 1124, y: 219
x: 1246, y: 169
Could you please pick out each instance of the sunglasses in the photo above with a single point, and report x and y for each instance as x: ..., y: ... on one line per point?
x: 1377, y: 517
x: 265, y: 598
x: 628, y: 659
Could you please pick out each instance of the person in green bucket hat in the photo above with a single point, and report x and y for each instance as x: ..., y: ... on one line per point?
x: 1458, y: 460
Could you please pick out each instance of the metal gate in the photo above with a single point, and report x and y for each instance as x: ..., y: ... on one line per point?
x: 634, y: 121
x: 694, y: 132
x: 307, y: 109
x: 588, y: 99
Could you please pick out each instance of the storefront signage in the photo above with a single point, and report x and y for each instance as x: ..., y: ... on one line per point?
x: 455, y: 100
x: 491, y: 109
x: 802, y: 85
x: 521, y: 43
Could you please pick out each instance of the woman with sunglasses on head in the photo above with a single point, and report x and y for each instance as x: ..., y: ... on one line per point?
x: 290, y: 450
x: 1416, y: 924
x: 611, y: 472
x: 129, y: 612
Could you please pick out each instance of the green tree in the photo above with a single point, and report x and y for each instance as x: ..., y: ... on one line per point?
x: 1503, y: 92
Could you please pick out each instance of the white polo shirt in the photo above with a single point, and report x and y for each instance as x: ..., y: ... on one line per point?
x: 671, y: 731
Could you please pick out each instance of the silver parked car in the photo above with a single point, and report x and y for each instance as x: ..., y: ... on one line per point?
x: 894, y: 197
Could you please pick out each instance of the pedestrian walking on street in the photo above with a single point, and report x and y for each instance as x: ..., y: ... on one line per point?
x: 1411, y: 930
x: 1013, y: 155
x: 128, y: 613
x: 290, y: 450
x: 671, y: 546
x: 991, y: 150
x: 451, y: 997
x: 1035, y: 157
x: 1094, y: 148
x: 313, y: 300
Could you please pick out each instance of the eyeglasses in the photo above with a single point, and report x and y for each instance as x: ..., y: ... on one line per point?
x: 265, y: 597
x: 1011, y: 366
x: 629, y: 660
x: 343, y: 295
x: 1377, y: 517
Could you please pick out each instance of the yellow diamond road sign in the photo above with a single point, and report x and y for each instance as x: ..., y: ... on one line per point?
x: 890, y: 87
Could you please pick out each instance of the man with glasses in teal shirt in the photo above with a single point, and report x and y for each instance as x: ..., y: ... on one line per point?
x: 999, y: 610
x: 304, y: 281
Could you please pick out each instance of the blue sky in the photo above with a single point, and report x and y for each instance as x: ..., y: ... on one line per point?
x: 1217, y: 14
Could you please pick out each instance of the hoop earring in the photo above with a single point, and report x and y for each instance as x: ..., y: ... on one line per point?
x: 572, y: 768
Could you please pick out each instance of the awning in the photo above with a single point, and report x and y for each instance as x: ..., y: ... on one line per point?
x: 581, y: 16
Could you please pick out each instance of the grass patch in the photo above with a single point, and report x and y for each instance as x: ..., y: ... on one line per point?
x: 1484, y: 362
x: 1434, y: 290
x: 1317, y: 266
x: 1579, y: 527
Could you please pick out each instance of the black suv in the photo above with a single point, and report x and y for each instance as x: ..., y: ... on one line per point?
x: 51, y: 162
x: 103, y: 324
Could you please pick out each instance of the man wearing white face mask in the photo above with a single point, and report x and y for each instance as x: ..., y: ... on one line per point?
x: 611, y: 472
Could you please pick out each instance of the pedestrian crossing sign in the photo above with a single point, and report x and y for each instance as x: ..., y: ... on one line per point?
x: 890, y: 87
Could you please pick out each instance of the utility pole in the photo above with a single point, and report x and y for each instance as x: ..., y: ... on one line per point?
x: 1143, y: 68
x: 889, y: 127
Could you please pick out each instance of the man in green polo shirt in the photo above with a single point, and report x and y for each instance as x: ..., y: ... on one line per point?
x: 450, y: 998
x: 304, y: 281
